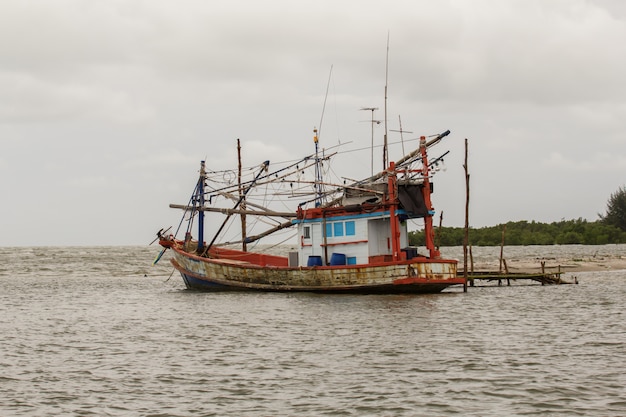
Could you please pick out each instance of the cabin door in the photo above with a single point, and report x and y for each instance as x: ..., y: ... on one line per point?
x: 379, y: 237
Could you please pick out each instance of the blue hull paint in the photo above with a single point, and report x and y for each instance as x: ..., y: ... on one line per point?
x: 193, y: 283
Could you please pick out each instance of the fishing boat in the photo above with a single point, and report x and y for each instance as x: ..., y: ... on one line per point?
x: 351, y: 237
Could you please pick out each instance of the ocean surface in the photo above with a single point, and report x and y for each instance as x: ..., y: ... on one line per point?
x: 99, y: 331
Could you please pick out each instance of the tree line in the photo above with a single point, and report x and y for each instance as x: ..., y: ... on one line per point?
x: 565, y: 232
x: 609, y: 229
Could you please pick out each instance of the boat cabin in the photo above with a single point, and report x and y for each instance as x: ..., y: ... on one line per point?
x: 359, y: 229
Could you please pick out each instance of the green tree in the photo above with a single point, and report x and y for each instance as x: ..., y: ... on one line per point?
x: 564, y: 232
x: 616, y: 209
x: 569, y: 238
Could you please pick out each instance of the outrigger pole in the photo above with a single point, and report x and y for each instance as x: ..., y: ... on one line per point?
x: 408, y: 157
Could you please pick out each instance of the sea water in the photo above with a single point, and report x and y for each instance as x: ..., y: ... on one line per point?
x: 99, y: 331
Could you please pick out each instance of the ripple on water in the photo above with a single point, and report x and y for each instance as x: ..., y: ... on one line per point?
x: 93, y: 333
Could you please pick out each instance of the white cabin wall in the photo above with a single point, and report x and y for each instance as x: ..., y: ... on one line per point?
x: 306, y: 247
x: 348, y: 244
x: 352, y: 246
x: 404, y: 235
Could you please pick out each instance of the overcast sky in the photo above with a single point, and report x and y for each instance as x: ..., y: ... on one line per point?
x: 107, y: 106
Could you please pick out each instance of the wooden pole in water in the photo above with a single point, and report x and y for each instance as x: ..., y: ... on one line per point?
x: 471, y: 265
x: 466, y: 235
x: 438, y: 235
x: 502, y: 248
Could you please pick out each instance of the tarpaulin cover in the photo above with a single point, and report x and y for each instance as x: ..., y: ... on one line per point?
x: 412, y: 200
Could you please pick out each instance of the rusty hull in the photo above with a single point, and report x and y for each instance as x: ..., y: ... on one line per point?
x: 419, y: 275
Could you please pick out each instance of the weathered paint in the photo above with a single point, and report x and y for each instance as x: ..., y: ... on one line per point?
x: 377, y: 244
x: 418, y: 275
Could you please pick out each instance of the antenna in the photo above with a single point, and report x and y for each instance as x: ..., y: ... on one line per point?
x: 372, y: 109
x: 386, y: 79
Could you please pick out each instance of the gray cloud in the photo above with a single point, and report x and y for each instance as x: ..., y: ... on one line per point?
x: 112, y: 103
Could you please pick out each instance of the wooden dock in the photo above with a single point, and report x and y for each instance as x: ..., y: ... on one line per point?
x: 545, y: 278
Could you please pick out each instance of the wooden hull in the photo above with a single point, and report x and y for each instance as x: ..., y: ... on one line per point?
x: 419, y: 275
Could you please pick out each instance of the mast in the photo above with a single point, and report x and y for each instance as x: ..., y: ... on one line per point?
x: 393, y: 219
x: 200, y: 198
x: 426, y: 189
x: 318, y: 172
x: 244, y: 244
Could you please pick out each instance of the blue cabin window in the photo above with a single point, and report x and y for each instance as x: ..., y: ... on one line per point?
x: 351, y: 260
x: 338, y: 229
x: 350, y: 230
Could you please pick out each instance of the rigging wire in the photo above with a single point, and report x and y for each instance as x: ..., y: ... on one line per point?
x: 295, y: 161
x: 319, y: 130
x: 191, y: 212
